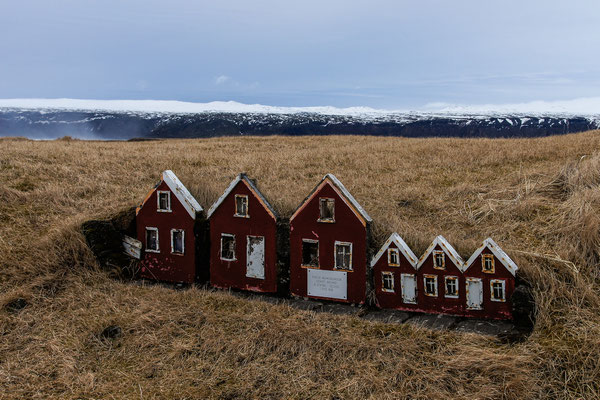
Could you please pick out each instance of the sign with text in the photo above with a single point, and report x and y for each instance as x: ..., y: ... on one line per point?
x: 330, y: 284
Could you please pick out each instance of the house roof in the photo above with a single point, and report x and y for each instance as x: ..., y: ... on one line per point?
x: 401, y: 244
x: 498, y: 252
x: 250, y: 184
x: 180, y: 191
x: 447, y: 248
x: 344, y: 194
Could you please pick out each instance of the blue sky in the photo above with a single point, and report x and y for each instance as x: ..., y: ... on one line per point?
x: 383, y: 54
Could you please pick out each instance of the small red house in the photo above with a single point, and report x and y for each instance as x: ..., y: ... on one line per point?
x: 490, y: 282
x: 165, y: 225
x: 243, y: 237
x: 395, y: 275
x: 329, y: 236
x: 440, y: 281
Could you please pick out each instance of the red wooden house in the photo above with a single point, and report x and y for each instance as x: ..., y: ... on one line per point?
x: 329, y: 236
x: 440, y: 281
x: 243, y: 237
x: 165, y: 225
x: 490, y: 282
x: 395, y: 275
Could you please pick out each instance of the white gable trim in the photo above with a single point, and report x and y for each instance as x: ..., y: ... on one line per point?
x: 498, y: 252
x: 448, y: 250
x: 183, y: 195
x: 253, y: 189
x: 402, y: 246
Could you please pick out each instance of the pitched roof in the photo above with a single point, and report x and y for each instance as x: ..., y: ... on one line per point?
x: 244, y: 178
x: 498, y: 252
x: 180, y: 191
x: 447, y: 248
x: 342, y: 191
x: 401, y: 244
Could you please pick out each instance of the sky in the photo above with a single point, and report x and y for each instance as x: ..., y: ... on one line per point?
x: 383, y: 54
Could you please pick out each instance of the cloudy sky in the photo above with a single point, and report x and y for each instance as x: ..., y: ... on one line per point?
x: 384, y: 54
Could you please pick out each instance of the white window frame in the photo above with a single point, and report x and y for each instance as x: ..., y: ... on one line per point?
x: 223, y: 235
x: 455, y: 279
x: 394, y: 251
x: 435, y: 254
x: 168, y: 193
x: 327, y: 220
x: 483, y: 258
x: 390, y: 275
x: 335, y: 245
x: 492, y: 297
x: 182, y: 252
x: 302, y: 254
x: 242, y: 196
x: 435, y: 281
x: 154, y: 229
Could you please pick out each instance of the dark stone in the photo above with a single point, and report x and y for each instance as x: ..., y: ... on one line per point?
x: 434, y: 321
x: 340, y: 309
x: 111, y: 332
x: 16, y: 305
x: 487, y: 327
x: 387, y: 316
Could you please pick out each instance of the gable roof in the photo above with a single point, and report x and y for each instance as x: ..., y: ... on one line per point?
x: 179, y: 190
x: 344, y: 194
x: 401, y: 244
x: 498, y: 252
x: 447, y: 248
x: 250, y: 184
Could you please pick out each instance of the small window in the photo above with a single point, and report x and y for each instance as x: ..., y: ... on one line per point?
x: 430, y: 282
x: 387, y: 282
x: 439, y: 259
x: 487, y: 263
x: 164, y: 201
x: 393, y: 258
x: 152, y: 240
x: 177, y: 238
x: 310, y: 253
x: 498, y: 290
x: 451, y: 286
x: 227, y: 247
x: 241, y: 205
x: 343, y: 256
x: 326, y: 210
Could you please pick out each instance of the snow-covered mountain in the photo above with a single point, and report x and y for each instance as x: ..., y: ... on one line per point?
x: 126, y: 119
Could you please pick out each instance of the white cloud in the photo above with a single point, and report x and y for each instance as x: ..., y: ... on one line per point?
x: 221, y: 79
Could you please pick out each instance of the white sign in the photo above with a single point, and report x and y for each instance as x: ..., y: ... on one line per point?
x: 330, y: 284
x: 132, y: 247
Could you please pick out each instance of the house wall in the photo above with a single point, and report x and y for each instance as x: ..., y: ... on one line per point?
x: 491, y: 309
x: 165, y: 266
x: 388, y: 299
x: 346, y: 228
x: 440, y: 304
x: 232, y: 274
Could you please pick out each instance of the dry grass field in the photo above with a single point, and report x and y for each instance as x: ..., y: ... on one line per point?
x: 538, y: 198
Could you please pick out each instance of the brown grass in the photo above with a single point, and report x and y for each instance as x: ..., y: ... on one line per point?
x: 537, y: 197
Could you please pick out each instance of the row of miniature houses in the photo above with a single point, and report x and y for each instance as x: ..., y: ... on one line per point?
x: 328, y: 241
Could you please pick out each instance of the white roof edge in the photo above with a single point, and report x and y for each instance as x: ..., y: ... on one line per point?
x: 447, y: 248
x: 183, y: 195
x: 349, y: 196
x: 508, y: 263
x: 220, y: 200
x: 401, y: 244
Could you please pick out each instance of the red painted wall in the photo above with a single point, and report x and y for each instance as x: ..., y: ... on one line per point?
x: 346, y: 228
x: 440, y: 304
x: 491, y: 309
x: 165, y: 266
x: 388, y: 299
x: 232, y: 274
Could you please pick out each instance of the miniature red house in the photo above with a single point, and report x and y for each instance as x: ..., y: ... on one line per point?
x: 165, y: 225
x: 243, y: 237
x: 490, y: 282
x: 329, y: 235
x: 440, y: 281
x: 395, y: 275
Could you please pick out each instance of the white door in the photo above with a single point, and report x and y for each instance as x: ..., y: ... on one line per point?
x: 255, y: 257
x: 474, y: 293
x: 409, y: 288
